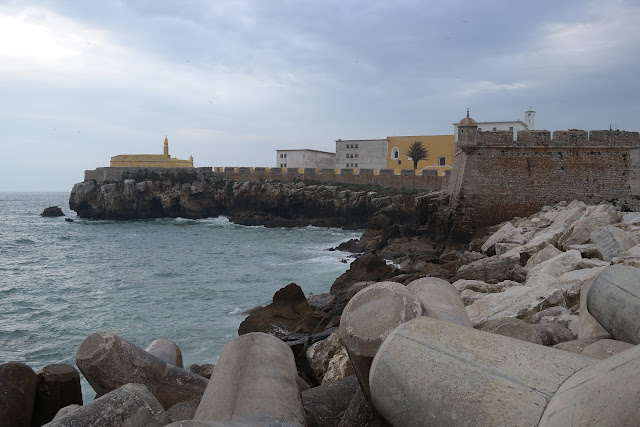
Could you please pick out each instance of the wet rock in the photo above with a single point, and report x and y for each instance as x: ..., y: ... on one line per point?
x: 204, y: 370
x: 324, y: 405
x: 17, y: 394
x: 107, y: 361
x: 289, y: 307
x: 368, y: 267
x: 58, y: 386
x: 52, y: 211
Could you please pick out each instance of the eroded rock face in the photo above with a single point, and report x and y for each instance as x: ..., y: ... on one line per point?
x: 196, y: 194
x: 368, y: 267
x: 289, y: 307
x: 52, y: 211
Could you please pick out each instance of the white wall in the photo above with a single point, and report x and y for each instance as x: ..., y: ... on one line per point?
x: 361, y: 153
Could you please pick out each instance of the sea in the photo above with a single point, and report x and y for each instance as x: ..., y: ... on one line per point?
x: 187, y: 281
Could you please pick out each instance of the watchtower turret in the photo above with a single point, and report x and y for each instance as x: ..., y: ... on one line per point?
x: 166, y: 146
x: 467, y: 132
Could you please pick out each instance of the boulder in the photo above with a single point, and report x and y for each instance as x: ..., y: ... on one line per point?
x: 546, y: 253
x: 432, y: 370
x: 440, y: 300
x: 183, y: 411
x: 129, y: 405
x: 58, y: 387
x: 510, y: 327
x: 605, y: 348
x: 18, y: 393
x: 558, y: 315
x: 613, y: 300
x: 368, y: 267
x: 553, y: 333
x: 484, y: 287
x: 594, y: 217
x: 576, y: 346
x: 361, y: 412
x: 107, y: 362
x: 166, y: 351
x: 288, y: 308
x: 324, y: 405
x: 557, y: 265
x: 491, y: 270
x: 254, y: 383
x: 329, y: 359
x: 629, y: 257
x: 539, y: 292
x: 368, y: 319
x: 204, y: 370
x: 67, y: 410
x: 468, y: 296
x: 588, y: 250
x: 52, y: 211
x: 610, y: 241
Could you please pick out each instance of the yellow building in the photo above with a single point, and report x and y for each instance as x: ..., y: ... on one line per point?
x: 150, y: 160
x: 441, y: 149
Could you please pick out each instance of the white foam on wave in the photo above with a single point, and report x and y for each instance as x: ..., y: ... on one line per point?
x: 219, y: 220
x: 236, y: 311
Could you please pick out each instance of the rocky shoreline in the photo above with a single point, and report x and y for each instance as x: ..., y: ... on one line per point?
x: 529, y: 318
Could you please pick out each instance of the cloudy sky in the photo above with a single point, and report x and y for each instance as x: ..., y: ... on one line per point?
x: 231, y: 81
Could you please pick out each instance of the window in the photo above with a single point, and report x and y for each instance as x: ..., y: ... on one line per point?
x: 347, y: 155
x: 281, y: 155
x: 495, y: 128
x: 356, y: 155
x: 461, y: 130
x: 352, y: 156
x: 356, y: 145
x: 442, y: 161
x: 356, y: 165
x: 285, y: 156
x: 351, y: 145
x: 395, y: 153
x: 399, y: 162
x: 479, y: 129
x: 511, y: 128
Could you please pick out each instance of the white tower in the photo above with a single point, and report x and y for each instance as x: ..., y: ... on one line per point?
x: 530, y: 119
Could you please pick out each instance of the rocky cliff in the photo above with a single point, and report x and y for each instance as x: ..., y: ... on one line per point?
x: 269, y: 203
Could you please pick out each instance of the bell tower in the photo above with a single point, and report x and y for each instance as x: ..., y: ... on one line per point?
x: 166, y: 146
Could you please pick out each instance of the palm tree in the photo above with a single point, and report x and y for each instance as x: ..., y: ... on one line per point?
x: 416, y: 152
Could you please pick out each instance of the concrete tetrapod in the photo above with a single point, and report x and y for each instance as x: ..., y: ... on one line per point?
x: 440, y: 300
x: 58, y: 386
x: 166, y: 350
x: 254, y: 383
x: 606, y: 393
x: 17, y: 394
x: 129, y: 405
x: 108, y: 362
x: 369, y: 317
x: 431, y: 372
x: 614, y: 301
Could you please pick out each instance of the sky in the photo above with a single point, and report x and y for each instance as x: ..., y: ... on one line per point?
x: 230, y: 82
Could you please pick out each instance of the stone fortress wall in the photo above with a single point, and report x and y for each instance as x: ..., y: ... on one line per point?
x: 408, y: 179
x: 497, y: 178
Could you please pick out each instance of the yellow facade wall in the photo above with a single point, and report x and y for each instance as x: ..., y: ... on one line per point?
x: 148, y: 161
x: 438, y: 146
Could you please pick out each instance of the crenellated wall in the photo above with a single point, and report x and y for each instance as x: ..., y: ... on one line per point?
x: 499, y: 179
x: 408, y: 179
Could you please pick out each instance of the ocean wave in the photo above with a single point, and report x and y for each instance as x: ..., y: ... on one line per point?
x: 236, y: 311
x: 24, y: 242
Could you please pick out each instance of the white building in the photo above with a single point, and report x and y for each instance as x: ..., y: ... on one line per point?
x: 514, y: 126
x: 361, y: 154
x: 305, y: 159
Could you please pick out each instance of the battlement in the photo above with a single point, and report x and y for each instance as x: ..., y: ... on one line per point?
x: 408, y: 178
x: 559, y: 138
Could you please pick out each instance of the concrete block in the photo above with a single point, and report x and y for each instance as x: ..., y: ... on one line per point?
x: 369, y: 317
x: 614, y: 301
x: 255, y: 383
x: 588, y: 326
x: 129, y: 405
x: 432, y: 370
x: 107, y: 361
x: 611, y: 241
x: 58, y: 386
x: 440, y: 300
x: 17, y: 394
x: 604, y: 394
x: 166, y: 351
